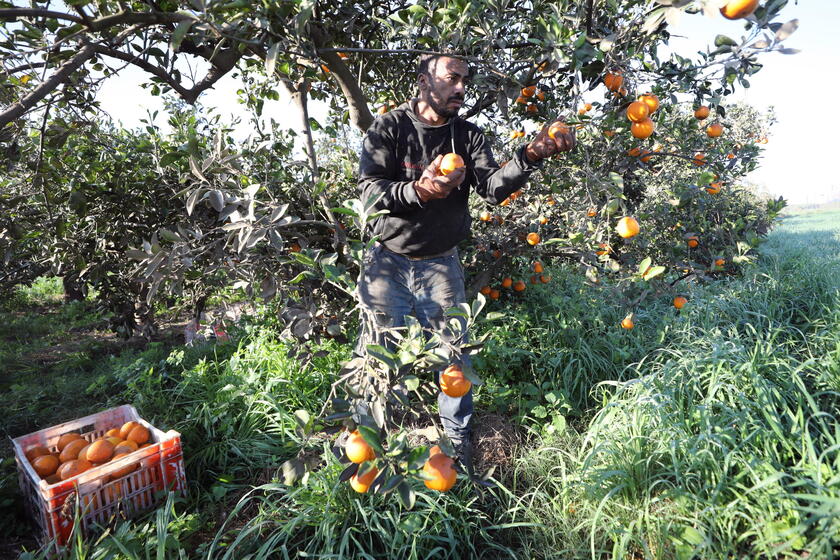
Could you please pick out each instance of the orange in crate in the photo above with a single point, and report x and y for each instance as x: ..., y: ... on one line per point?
x: 130, y: 483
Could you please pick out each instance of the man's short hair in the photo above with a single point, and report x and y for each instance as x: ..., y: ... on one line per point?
x: 425, y: 62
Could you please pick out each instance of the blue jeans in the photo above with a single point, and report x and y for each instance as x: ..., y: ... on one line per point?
x: 394, y: 286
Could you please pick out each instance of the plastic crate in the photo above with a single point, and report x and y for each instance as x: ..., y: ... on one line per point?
x: 98, y: 497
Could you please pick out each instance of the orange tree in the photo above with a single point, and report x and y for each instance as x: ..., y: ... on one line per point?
x: 585, y: 62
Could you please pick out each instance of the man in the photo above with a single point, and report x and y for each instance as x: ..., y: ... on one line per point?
x: 415, y: 269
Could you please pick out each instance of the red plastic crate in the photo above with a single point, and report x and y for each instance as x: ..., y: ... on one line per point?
x: 52, y: 506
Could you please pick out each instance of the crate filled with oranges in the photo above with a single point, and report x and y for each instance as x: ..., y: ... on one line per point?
x: 106, y: 464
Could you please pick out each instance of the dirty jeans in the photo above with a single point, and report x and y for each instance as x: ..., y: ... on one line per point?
x: 394, y: 286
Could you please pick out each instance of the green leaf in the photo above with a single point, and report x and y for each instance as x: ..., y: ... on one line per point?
x: 371, y: 436
x: 271, y: 58
x: 407, y: 495
x: 293, y: 470
x: 644, y: 265
x: 722, y: 40
x: 653, y: 272
x: 411, y: 382
x: 179, y: 34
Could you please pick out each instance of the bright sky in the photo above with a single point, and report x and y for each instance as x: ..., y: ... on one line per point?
x: 798, y: 161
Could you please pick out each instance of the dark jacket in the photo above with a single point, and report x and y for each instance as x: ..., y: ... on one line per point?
x: 396, y: 150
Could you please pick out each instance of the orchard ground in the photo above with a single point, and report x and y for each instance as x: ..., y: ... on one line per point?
x: 708, y: 433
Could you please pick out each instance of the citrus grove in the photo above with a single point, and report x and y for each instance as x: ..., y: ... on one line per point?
x: 652, y: 199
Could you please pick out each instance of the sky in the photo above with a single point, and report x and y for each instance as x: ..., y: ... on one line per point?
x: 798, y: 162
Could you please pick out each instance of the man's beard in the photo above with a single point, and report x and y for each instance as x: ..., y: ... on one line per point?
x: 443, y: 109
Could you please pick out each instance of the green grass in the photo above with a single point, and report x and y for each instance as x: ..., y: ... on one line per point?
x: 708, y: 433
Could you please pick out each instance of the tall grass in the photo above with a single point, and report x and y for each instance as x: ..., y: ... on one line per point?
x: 725, y: 442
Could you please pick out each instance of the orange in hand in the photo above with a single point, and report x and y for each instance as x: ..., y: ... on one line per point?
x: 450, y: 163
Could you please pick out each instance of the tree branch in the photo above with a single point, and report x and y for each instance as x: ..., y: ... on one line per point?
x: 357, y: 105
x: 61, y: 75
x: 11, y: 14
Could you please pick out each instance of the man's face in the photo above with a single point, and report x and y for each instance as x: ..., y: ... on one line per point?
x: 444, y: 86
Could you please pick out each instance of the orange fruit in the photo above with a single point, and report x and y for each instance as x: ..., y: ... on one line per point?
x: 114, y: 440
x: 531, y: 108
x: 642, y: 129
x: 557, y: 127
x: 534, y: 279
x: 730, y: 155
x: 633, y: 152
x: 73, y: 468
x: 439, y: 468
x: 71, y: 450
x: 679, y: 302
x: 542, y: 220
x: 522, y: 99
x: 737, y: 9
x: 603, y: 249
x: 36, y: 451
x: 545, y: 278
x: 529, y: 91
x: 550, y: 200
x: 484, y: 216
x: 139, y: 434
x: 701, y: 112
x: 720, y: 262
x: 533, y: 238
x: 519, y: 286
x: 450, y: 163
x: 99, y: 451
x: 651, y: 101
x: 714, y: 130
x: 646, y: 155
x: 713, y: 188
x: 124, y: 470
x: 541, y: 95
x: 627, y: 322
x: 83, y: 453
x: 627, y: 227
x: 699, y: 159
x: 692, y: 241
x: 127, y: 446
x: 609, y: 133
x: 357, y: 449
x: 66, y: 439
x: 495, y: 294
x: 497, y: 254
x: 485, y: 290
x: 538, y: 267
x: 53, y: 478
x: 453, y: 383
x: 45, y: 465
x: 361, y: 483
x: 592, y: 212
x: 113, y: 432
x: 293, y: 248
x: 637, y: 111
x: 507, y: 282
x: 613, y: 81
x: 126, y: 428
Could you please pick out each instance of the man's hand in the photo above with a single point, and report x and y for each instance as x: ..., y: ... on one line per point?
x: 544, y: 145
x: 434, y: 185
